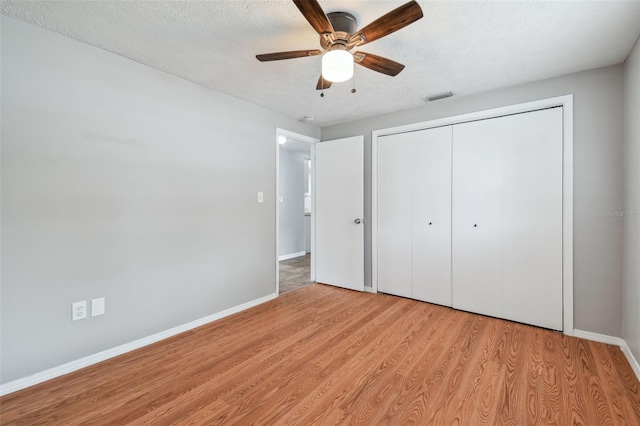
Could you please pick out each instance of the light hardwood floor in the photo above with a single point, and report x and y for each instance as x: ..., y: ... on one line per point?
x: 323, y: 355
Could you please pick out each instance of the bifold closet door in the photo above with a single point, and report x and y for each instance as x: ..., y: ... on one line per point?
x: 507, y: 217
x: 477, y: 218
x: 394, y: 212
x: 532, y: 218
x: 414, y: 215
x: 431, y: 221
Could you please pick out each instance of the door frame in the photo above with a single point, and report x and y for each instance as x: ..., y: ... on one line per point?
x: 311, y: 141
x: 566, y: 102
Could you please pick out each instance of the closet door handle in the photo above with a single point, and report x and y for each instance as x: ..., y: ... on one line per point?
x: 475, y: 225
x: 357, y: 221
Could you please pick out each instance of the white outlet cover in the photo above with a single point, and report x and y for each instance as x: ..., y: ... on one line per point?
x: 78, y: 310
x: 97, y: 307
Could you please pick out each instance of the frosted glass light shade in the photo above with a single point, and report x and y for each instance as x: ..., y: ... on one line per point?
x: 337, y: 66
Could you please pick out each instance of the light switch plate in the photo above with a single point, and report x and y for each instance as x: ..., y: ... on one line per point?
x: 97, y: 307
x: 261, y: 197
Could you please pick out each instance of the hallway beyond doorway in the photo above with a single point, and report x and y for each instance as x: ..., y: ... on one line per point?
x: 295, y: 273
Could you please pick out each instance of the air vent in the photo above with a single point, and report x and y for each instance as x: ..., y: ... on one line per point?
x: 437, y: 97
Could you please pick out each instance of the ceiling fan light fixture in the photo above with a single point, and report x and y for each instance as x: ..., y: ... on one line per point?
x: 337, y: 66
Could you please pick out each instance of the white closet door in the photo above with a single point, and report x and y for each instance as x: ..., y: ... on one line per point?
x: 532, y: 218
x: 432, y: 215
x: 394, y: 208
x: 477, y: 218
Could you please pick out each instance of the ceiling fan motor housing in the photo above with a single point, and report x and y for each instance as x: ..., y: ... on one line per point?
x: 345, y: 25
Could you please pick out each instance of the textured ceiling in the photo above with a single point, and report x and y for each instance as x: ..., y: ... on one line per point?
x: 464, y: 47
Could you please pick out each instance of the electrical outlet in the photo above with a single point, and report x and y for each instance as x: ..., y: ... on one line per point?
x: 79, y: 310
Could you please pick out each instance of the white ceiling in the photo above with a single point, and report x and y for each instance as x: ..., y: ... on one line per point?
x: 465, y: 47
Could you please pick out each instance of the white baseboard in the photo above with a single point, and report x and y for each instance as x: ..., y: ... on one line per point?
x: 596, y: 337
x: 369, y: 290
x: 291, y: 255
x: 69, y: 367
x: 611, y: 340
x: 635, y: 365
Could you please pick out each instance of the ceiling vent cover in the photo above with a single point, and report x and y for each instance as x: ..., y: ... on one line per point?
x: 437, y: 97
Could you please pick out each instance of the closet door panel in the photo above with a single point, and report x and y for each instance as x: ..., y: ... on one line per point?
x: 394, y: 208
x: 532, y: 218
x: 477, y: 219
x: 432, y: 216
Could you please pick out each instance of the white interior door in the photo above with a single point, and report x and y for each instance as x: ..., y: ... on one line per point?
x: 414, y: 215
x: 394, y: 204
x: 340, y: 212
x: 507, y: 217
x: 431, y: 222
x: 477, y: 218
x: 532, y: 218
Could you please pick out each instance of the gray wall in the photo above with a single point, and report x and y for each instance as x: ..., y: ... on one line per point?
x: 598, y: 178
x: 631, y: 291
x: 122, y: 181
x: 291, y: 229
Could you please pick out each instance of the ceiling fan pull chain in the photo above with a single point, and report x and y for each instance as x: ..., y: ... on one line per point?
x: 353, y: 81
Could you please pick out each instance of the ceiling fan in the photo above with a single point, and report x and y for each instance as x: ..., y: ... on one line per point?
x: 339, y: 35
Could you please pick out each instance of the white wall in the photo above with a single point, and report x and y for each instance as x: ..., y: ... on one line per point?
x: 292, y: 189
x: 598, y: 178
x: 121, y: 181
x: 631, y: 290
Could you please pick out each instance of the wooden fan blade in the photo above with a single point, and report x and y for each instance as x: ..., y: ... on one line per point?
x: 390, y: 23
x: 323, y: 84
x: 287, y: 55
x: 378, y: 63
x: 312, y: 11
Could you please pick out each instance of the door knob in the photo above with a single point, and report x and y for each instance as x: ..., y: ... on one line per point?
x: 358, y: 221
x: 475, y: 225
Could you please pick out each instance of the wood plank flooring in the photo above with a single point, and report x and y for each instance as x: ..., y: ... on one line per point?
x: 323, y: 355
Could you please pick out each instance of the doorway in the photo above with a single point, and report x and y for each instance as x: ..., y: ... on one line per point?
x: 294, y: 211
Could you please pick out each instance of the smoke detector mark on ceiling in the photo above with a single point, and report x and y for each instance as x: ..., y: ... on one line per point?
x: 437, y: 97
